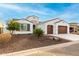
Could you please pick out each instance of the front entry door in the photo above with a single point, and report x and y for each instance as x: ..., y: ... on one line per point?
x: 49, y: 29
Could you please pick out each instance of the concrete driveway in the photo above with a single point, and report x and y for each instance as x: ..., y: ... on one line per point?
x: 72, y: 37
x: 64, y: 49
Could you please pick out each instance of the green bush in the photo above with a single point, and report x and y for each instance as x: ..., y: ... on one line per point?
x: 38, y: 32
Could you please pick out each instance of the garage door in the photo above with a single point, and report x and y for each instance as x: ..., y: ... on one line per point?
x: 49, y: 29
x: 62, y: 29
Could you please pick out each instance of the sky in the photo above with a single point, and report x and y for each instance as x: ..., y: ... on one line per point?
x: 45, y: 11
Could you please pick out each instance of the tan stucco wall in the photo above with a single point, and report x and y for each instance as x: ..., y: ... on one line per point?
x: 1, y: 25
x: 1, y: 28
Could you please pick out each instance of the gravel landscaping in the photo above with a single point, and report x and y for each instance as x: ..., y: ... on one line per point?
x: 23, y: 42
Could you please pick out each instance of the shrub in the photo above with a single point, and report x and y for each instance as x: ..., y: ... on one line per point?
x: 5, y: 37
x: 38, y: 32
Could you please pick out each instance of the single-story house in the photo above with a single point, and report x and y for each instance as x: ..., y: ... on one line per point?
x: 54, y: 26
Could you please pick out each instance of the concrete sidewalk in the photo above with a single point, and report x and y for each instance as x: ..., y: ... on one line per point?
x: 52, y: 50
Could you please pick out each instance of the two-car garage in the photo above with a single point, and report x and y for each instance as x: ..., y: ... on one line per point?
x: 55, y: 26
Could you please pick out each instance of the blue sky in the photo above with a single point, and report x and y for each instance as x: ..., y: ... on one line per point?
x: 45, y: 11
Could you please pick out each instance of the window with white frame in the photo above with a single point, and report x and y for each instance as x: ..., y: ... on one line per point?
x: 25, y: 27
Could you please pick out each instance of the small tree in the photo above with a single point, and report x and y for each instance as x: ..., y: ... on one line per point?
x: 38, y: 32
x: 12, y: 26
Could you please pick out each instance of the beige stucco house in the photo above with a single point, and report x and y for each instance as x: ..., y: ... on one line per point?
x: 53, y: 26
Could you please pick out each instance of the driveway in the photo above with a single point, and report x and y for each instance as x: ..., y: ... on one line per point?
x: 64, y: 49
x: 72, y: 37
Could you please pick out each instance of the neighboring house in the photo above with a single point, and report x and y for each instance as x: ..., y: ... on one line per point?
x: 54, y: 26
x: 1, y: 28
x: 74, y: 27
x: 5, y: 28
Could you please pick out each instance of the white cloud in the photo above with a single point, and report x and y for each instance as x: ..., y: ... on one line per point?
x: 73, y: 7
x: 18, y: 8
x: 41, y: 10
x: 38, y: 12
x: 71, y: 13
x: 68, y: 15
x: 10, y: 6
x: 48, y: 11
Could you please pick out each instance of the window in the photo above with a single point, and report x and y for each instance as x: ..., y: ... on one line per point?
x: 22, y: 27
x: 25, y: 27
x: 28, y: 27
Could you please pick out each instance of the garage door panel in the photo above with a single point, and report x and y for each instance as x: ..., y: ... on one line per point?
x: 62, y: 29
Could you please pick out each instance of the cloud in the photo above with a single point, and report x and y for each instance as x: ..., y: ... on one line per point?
x: 19, y: 8
x: 46, y: 10
x: 11, y: 6
x: 38, y: 12
x: 71, y: 13
x: 42, y: 12
x: 39, y: 9
x: 68, y: 15
x: 74, y: 7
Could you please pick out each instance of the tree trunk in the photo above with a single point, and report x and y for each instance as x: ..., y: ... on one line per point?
x: 11, y: 32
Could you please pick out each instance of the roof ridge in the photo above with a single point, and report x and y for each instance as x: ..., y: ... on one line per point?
x: 50, y: 20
